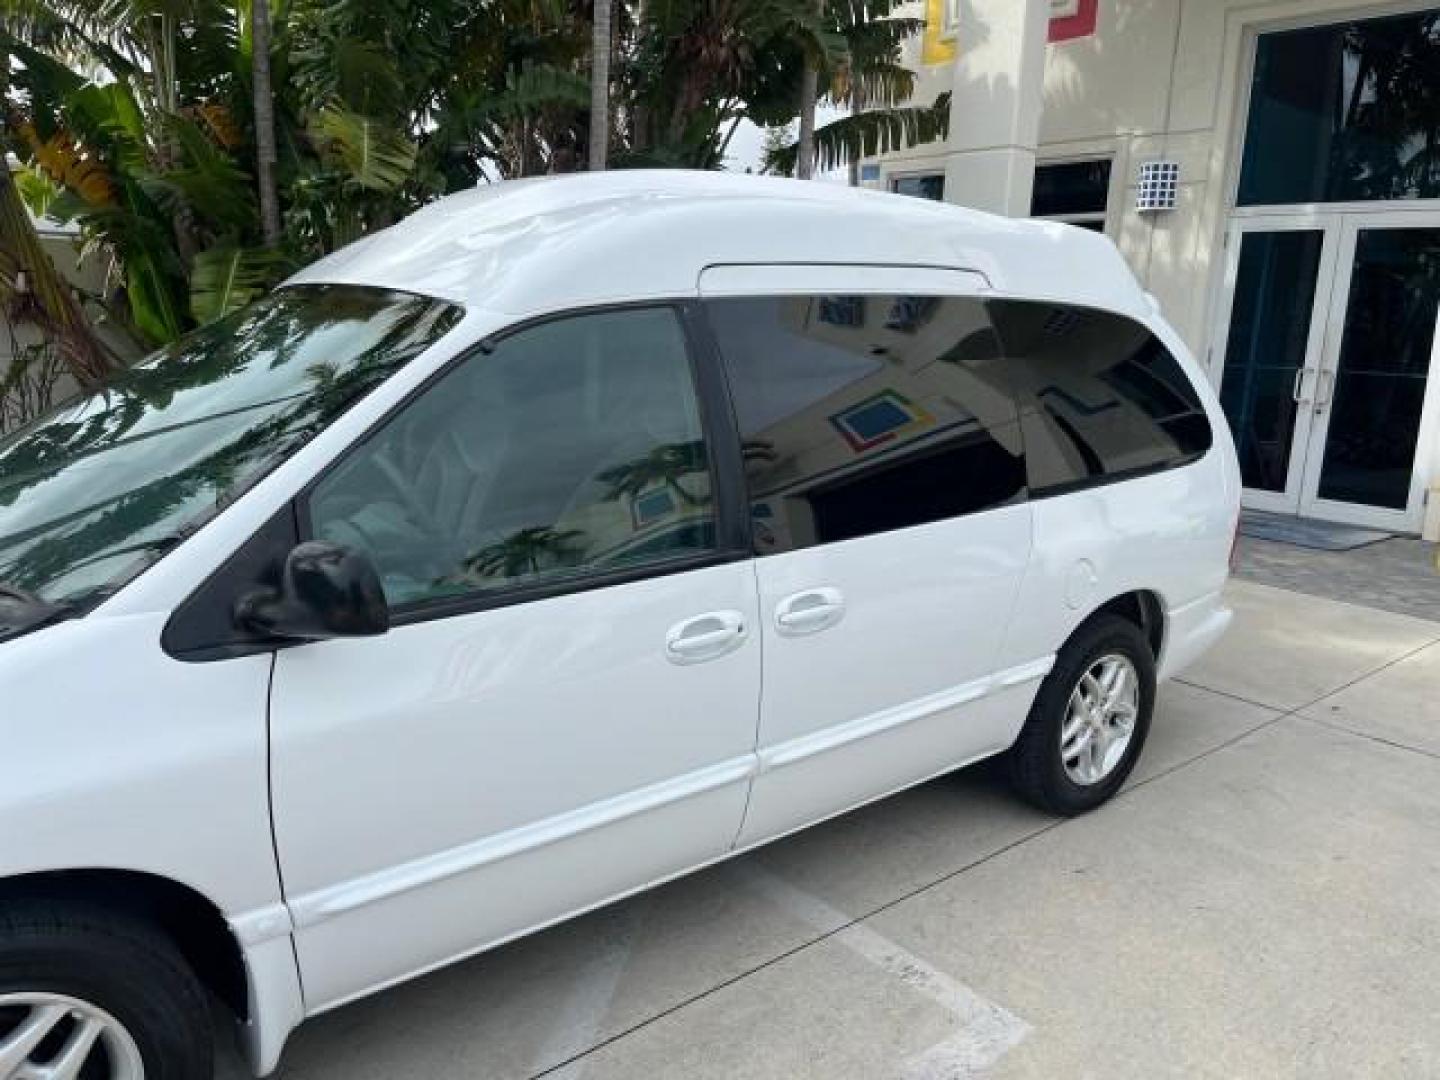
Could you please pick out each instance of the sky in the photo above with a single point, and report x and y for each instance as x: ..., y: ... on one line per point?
x: 747, y: 146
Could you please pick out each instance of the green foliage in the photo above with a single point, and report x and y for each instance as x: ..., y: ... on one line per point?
x: 867, y: 133
x: 135, y: 118
x: 371, y: 155
x: 38, y: 191
x: 225, y: 279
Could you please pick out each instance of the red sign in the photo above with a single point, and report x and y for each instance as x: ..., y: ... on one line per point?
x: 1081, y: 24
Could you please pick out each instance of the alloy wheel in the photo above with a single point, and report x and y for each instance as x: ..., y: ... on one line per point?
x: 1100, y: 719
x: 46, y: 1036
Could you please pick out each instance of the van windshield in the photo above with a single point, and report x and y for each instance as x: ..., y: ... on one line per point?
x: 103, y: 486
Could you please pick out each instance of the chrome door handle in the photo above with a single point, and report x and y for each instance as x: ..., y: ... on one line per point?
x: 705, y: 637
x: 1297, y: 388
x: 809, y: 611
x: 1324, y: 390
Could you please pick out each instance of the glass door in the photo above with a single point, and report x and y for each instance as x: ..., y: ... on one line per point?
x: 1278, y: 273
x: 1373, y: 405
x: 1329, y: 331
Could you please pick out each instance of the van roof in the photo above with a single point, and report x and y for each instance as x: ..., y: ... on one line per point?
x: 547, y: 244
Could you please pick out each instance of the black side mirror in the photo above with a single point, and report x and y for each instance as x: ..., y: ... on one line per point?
x: 326, y: 591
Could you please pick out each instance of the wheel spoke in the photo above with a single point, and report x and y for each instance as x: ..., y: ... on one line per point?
x: 17, y: 1047
x: 1079, y: 745
x: 1099, y: 749
x: 1074, y: 725
x: 76, y: 1052
x: 1118, y: 687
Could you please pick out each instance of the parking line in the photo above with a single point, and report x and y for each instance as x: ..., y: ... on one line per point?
x: 987, y: 1031
x: 578, y: 1019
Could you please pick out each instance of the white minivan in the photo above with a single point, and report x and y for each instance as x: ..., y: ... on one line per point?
x: 568, y: 536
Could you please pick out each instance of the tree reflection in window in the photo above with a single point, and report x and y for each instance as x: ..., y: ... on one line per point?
x: 96, y: 490
x: 1348, y: 111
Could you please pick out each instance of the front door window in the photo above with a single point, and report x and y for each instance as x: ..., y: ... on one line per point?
x: 567, y: 450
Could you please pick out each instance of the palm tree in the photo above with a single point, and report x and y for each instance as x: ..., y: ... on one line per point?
x: 265, y: 156
x: 526, y: 551
x: 600, y: 86
x: 202, y: 178
x: 663, y: 465
x: 863, y: 75
x: 809, y: 92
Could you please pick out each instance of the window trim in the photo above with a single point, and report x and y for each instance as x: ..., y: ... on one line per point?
x: 717, y: 429
x: 1139, y: 472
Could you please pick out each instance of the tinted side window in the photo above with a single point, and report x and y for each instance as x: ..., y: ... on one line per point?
x: 1100, y: 396
x: 572, y: 447
x: 861, y: 414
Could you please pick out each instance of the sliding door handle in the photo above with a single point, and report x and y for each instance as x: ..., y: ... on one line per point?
x: 810, y: 611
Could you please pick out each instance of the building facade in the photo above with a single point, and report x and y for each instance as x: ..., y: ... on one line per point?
x: 1271, y: 171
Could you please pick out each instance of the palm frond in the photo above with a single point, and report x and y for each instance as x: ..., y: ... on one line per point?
x: 881, y: 84
x: 224, y: 279
x: 537, y: 86
x: 67, y: 33
x: 68, y: 166
x: 869, y: 133
x: 37, y: 190
x: 375, y: 156
x: 218, y: 121
x: 214, y: 186
x: 155, y: 284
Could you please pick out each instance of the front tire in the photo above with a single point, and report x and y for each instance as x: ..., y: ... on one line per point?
x: 90, y: 996
x: 1089, y: 721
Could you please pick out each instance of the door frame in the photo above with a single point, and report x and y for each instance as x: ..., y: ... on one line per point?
x: 1312, y: 504
x: 1341, y: 225
x: 1288, y: 500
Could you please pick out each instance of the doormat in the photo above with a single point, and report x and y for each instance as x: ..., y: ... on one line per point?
x: 1303, y: 532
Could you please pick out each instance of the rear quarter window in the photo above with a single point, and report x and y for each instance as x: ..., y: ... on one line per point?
x: 1100, y: 396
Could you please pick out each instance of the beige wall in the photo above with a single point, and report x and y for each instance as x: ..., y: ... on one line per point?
x: 1167, y: 78
x: 1158, y: 78
x: 63, y: 252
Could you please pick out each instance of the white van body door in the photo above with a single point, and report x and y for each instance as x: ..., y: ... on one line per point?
x: 886, y: 479
x: 566, y: 709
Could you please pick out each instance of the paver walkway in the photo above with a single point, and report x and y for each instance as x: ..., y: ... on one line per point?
x: 1394, y: 575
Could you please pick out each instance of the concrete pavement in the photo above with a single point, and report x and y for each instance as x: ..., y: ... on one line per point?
x: 1263, y: 900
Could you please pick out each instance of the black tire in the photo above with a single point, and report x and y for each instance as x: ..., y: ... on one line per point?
x: 1036, y: 768
x: 119, y: 965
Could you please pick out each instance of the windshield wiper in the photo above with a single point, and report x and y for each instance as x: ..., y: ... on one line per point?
x: 21, y: 612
